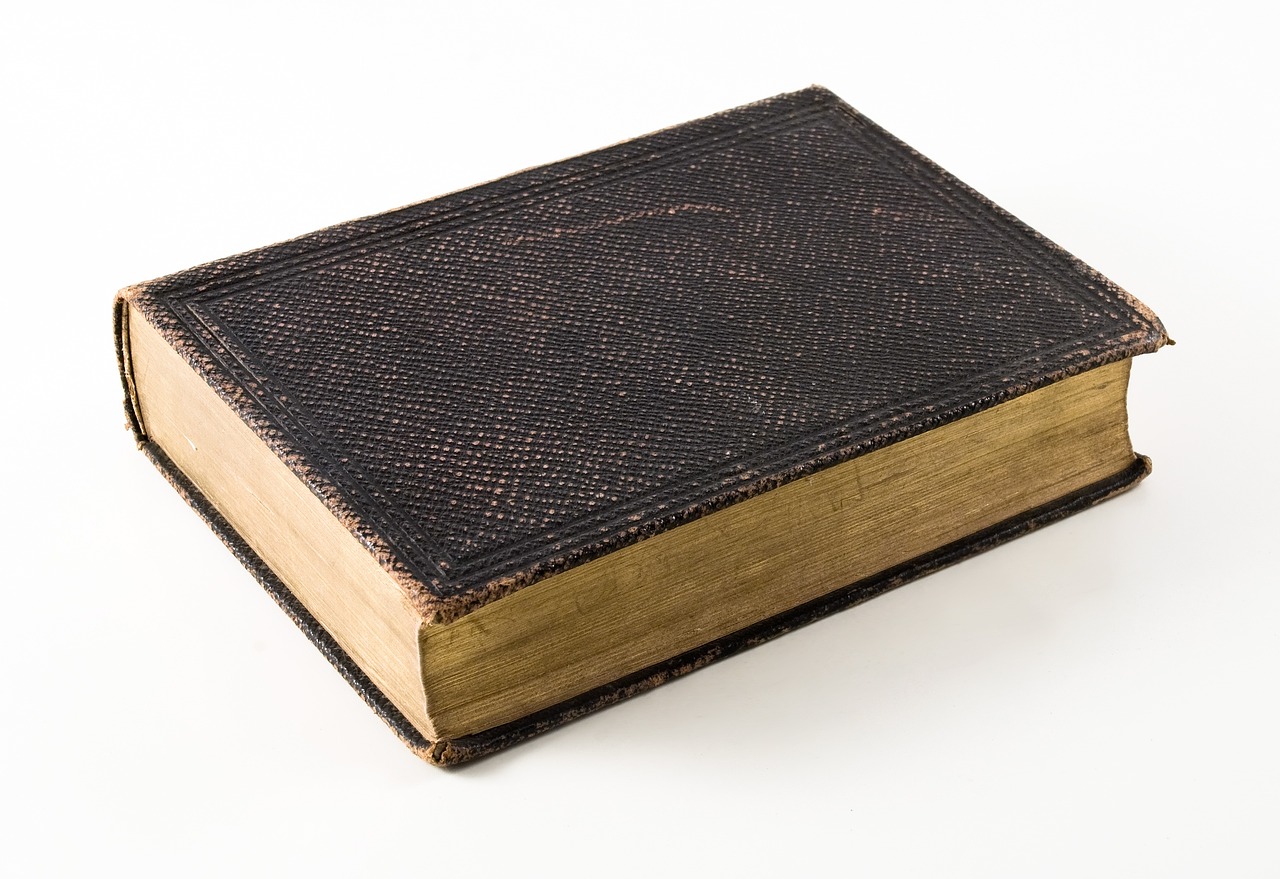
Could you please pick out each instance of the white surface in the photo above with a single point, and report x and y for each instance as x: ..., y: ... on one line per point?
x: 1096, y: 699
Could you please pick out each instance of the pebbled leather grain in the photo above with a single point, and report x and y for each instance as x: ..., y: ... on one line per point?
x: 493, y: 386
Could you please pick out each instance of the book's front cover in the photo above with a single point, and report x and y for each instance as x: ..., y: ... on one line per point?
x: 507, y: 381
x: 500, y: 384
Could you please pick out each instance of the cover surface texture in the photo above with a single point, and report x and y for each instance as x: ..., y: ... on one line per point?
x: 494, y: 386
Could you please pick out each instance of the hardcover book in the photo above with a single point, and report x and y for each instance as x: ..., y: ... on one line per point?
x: 513, y: 454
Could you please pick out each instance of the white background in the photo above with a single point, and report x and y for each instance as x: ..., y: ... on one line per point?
x: 1095, y: 699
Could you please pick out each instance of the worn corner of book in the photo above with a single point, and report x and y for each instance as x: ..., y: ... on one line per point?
x: 422, y: 594
x: 1152, y: 336
x: 440, y: 611
x: 820, y: 92
x: 440, y: 753
x: 131, y: 292
x: 817, y: 94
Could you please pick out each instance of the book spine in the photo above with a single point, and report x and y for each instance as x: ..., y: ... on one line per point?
x: 124, y: 362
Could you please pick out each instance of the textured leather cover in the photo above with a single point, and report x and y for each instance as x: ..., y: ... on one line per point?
x: 508, y: 381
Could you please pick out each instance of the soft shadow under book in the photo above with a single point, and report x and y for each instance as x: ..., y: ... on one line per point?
x: 510, y: 455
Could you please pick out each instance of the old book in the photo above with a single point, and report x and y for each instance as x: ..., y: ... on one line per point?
x: 513, y: 454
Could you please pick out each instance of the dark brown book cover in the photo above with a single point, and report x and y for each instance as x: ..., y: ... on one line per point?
x: 494, y: 386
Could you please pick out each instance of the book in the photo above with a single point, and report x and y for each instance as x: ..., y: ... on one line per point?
x: 513, y: 454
